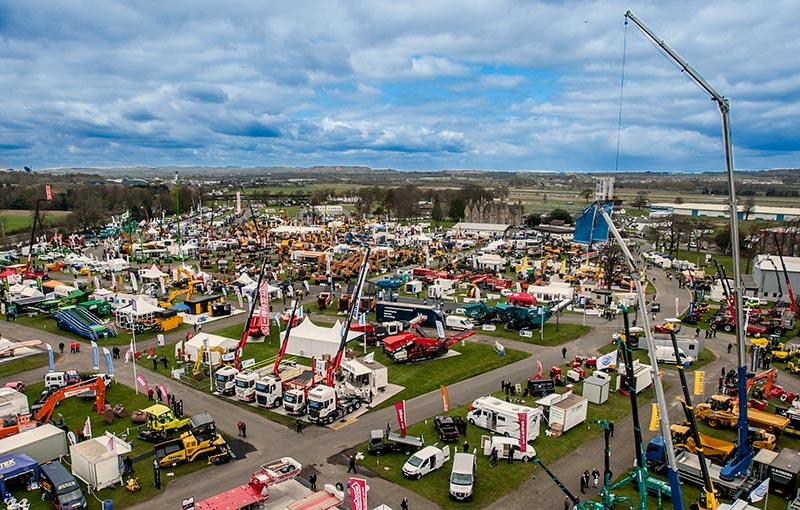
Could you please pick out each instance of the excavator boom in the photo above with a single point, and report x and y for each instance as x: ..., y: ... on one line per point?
x: 97, y: 384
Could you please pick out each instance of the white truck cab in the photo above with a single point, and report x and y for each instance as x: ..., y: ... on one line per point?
x: 458, y: 323
x: 294, y: 401
x: 268, y: 392
x: 245, y: 385
x: 225, y: 380
x: 462, y: 476
x: 425, y: 461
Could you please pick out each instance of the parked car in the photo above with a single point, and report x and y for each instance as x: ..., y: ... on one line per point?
x: 449, y: 428
x: 655, y: 307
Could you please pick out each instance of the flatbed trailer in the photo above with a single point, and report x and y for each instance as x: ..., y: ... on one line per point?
x: 256, y: 491
x: 326, y: 499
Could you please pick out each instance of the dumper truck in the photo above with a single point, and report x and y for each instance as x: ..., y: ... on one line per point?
x: 722, y: 410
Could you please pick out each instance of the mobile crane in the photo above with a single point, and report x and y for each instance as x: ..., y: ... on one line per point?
x: 742, y: 459
x: 325, y: 403
x: 792, y: 300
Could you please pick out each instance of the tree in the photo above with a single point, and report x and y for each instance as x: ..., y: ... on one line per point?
x: 456, y: 210
x: 586, y: 193
x: 747, y: 206
x: 436, y: 212
x: 533, y: 220
x: 559, y: 214
x: 640, y: 200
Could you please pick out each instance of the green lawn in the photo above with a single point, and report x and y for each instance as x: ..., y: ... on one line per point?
x: 75, y: 411
x: 566, y: 333
x: 14, y: 220
x: 494, y: 482
x: 9, y: 368
x: 47, y: 323
x: 726, y: 261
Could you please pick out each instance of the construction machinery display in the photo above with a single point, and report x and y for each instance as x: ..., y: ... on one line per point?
x: 202, y: 440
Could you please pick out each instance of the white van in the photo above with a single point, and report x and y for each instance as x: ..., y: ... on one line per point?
x: 504, y: 446
x: 503, y: 417
x: 425, y: 461
x: 462, y: 476
x: 458, y: 323
x: 666, y: 354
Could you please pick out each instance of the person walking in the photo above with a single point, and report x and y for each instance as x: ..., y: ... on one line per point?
x: 404, y: 504
x: 730, y: 346
x: 564, y: 353
x: 61, y: 347
x: 244, y: 429
x: 352, y: 464
x: 298, y: 426
x: 723, y: 372
x: 465, y: 447
x: 595, y: 478
x: 493, y: 457
x: 155, y: 363
x: 583, y: 484
x: 164, y: 362
x: 611, y: 428
x: 567, y: 503
x: 312, y: 481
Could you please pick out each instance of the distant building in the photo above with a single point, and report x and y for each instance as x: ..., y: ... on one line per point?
x: 604, y: 189
x: 483, y: 230
x: 721, y: 211
x: 329, y: 210
x: 769, y: 278
x: 135, y: 183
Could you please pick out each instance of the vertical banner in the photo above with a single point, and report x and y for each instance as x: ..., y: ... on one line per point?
x: 238, y: 203
x: 439, y: 329
x: 96, y: 283
x: 358, y: 493
x: 523, y: 431
x: 109, y: 362
x: 48, y: 192
x: 95, y: 356
x: 445, y: 398
x: 87, y: 428
x: 141, y: 381
x: 163, y: 285
x: 51, y: 365
x: 263, y: 311
x: 699, y: 381
x: 164, y: 393
x: 134, y: 285
x: 653, y: 417
x: 400, y: 411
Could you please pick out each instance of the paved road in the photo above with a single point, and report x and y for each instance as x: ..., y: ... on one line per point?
x: 320, y: 448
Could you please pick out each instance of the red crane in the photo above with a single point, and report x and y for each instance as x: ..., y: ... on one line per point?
x: 285, y: 343
x: 792, y: 300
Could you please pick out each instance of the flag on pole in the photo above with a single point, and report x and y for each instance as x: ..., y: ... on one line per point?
x: 523, y: 431
x: 48, y: 192
x: 109, y: 362
x: 87, y: 428
x: 50, y: 360
x: 607, y: 360
x: 760, y: 492
x: 95, y: 356
x: 699, y: 381
x: 358, y: 493
x: 400, y: 412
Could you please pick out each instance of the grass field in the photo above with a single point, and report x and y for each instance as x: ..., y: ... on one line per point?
x: 9, y: 368
x: 14, y: 221
x: 75, y: 412
x: 494, y: 482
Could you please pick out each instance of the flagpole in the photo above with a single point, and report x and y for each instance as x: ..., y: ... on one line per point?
x: 133, y: 354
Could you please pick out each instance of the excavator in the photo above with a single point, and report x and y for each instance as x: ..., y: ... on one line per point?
x: 97, y: 385
x: 198, y: 363
x: 186, y: 293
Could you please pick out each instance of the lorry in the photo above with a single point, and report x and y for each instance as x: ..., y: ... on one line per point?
x: 268, y: 392
x: 426, y: 461
x: 723, y: 410
x: 462, y: 477
x: 381, y: 442
x: 386, y: 311
x: 505, y: 446
x: 256, y: 491
x: 666, y: 354
x: 503, y: 417
x: 325, y: 406
x: 60, y: 488
x: 201, y: 441
x: 689, y: 470
x: 225, y: 380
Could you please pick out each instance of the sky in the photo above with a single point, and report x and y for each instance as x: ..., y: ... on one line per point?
x: 410, y: 85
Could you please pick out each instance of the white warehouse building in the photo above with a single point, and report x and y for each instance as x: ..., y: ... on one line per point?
x: 768, y: 275
x: 721, y: 211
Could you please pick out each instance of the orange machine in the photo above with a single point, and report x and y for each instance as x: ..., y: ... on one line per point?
x: 97, y: 385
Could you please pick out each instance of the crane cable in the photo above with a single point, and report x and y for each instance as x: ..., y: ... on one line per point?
x: 621, y: 89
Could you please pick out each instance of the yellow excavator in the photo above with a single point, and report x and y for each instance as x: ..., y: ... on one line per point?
x: 186, y: 293
x: 198, y: 363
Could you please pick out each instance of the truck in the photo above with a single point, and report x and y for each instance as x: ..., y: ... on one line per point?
x: 426, y: 461
x: 387, y: 311
x: 225, y: 380
x: 60, y: 488
x: 325, y: 406
x: 381, y: 442
x: 713, y: 448
x: 268, y: 392
x: 43, y: 443
x: 503, y: 417
x: 505, y: 446
x: 449, y: 428
x: 722, y: 410
x: 256, y: 491
x: 689, y: 470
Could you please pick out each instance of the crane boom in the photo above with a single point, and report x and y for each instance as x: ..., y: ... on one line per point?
x: 792, y: 300
x: 741, y: 462
x: 285, y: 342
x: 354, y: 309
x: 246, y: 328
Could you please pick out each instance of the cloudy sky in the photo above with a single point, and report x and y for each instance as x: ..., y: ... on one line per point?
x: 402, y: 84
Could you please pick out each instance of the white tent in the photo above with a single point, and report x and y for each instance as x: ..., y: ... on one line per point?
x: 244, y: 280
x: 151, y: 273
x: 194, y: 344
x: 96, y: 460
x: 118, y: 265
x: 307, y: 339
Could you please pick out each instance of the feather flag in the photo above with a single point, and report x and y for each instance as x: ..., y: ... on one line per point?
x: 51, y: 366
x: 109, y: 362
x: 95, y: 356
x: 87, y: 428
